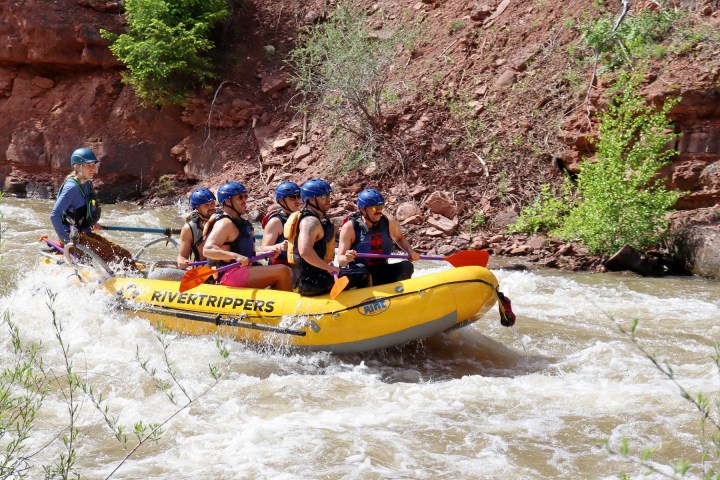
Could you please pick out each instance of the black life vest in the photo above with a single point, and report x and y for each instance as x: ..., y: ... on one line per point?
x: 198, y: 238
x: 325, y: 247
x: 244, y: 243
x: 87, y: 215
x: 283, y: 216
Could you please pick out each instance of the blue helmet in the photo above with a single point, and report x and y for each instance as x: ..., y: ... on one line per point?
x: 314, y: 187
x: 285, y: 189
x: 370, y: 198
x: 82, y: 155
x: 229, y: 190
x: 201, y: 196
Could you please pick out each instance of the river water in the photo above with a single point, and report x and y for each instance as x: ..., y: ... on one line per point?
x: 532, y: 402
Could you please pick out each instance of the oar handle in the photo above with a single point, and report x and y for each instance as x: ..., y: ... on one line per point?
x: 386, y: 255
x: 57, y: 247
x: 163, y: 231
x: 250, y: 260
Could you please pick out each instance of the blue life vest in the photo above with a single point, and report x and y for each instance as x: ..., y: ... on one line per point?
x: 375, y: 239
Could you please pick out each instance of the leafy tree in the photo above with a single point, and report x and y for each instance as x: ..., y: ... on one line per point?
x: 623, y: 201
x: 164, y: 46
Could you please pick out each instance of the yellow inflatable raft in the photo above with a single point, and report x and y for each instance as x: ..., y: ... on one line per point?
x: 356, y: 321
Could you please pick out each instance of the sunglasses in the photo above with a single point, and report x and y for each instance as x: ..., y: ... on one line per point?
x: 325, y: 196
x: 377, y: 208
x: 294, y: 196
x: 242, y: 196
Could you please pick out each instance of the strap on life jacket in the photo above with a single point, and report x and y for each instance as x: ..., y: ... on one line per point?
x: 87, y: 215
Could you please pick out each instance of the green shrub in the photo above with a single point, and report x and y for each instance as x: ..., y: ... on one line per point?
x: 164, y: 46
x: 547, y: 211
x: 477, y: 221
x: 636, y: 38
x: 623, y: 202
x: 342, y: 68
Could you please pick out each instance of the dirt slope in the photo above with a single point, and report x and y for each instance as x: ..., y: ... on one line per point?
x: 496, y: 102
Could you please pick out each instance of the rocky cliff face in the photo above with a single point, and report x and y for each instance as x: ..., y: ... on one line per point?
x: 507, y: 67
x: 60, y: 89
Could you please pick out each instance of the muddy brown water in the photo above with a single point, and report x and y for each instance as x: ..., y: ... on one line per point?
x: 482, y: 402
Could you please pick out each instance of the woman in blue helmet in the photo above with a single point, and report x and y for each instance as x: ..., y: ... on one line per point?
x: 231, y: 238
x: 369, y: 230
x: 311, y: 238
x: 77, y: 206
x: 202, y: 203
x: 287, y: 195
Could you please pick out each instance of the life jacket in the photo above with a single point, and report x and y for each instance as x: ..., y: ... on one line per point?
x: 87, y: 215
x: 375, y: 239
x: 198, y: 238
x: 244, y: 244
x: 325, y: 247
x: 283, y: 216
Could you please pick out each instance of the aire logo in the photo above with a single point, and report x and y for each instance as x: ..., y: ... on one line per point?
x: 374, y: 306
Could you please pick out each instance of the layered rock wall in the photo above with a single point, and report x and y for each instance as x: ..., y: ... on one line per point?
x: 60, y: 88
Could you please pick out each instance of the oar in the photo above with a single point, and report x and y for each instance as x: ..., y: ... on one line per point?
x: 339, y: 285
x: 162, y: 231
x: 55, y: 245
x: 197, y: 276
x: 463, y: 258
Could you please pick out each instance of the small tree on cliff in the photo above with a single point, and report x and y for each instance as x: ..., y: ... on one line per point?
x: 623, y: 201
x: 164, y: 46
x: 342, y: 69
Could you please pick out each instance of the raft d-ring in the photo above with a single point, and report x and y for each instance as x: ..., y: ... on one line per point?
x: 399, y: 289
x: 421, y: 292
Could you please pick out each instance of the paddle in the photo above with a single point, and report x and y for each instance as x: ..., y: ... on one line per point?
x: 197, y: 276
x: 162, y: 231
x: 339, y: 285
x: 463, y: 258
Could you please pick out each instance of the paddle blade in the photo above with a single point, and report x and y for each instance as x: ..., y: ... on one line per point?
x: 466, y: 258
x: 195, y: 277
x: 339, y: 286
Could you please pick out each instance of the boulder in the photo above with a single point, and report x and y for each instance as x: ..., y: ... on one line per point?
x: 442, y: 203
x: 444, y: 224
x: 407, y: 210
x: 628, y: 258
x: 698, y: 246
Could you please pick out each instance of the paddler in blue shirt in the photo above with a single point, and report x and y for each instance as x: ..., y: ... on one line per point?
x: 77, y: 205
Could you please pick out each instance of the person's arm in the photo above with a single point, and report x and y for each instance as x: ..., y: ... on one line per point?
x: 273, y: 230
x: 310, y: 231
x: 62, y: 204
x: 220, y: 234
x: 186, y: 241
x: 400, y: 239
x: 347, y: 238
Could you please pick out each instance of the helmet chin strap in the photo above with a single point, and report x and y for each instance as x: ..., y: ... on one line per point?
x: 233, y: 208
x: 367, y: 219
x: 283, y: 204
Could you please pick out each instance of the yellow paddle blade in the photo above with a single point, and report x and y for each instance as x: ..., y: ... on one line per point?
x: 195, y: 277
x: 339, y: 286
